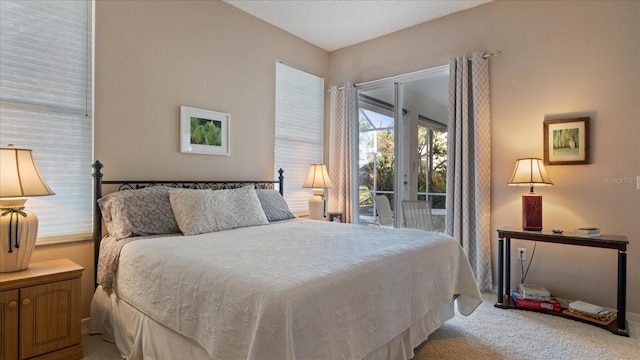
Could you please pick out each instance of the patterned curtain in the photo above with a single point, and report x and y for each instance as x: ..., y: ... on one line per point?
x: 341, y: 133
x: 469, y: 163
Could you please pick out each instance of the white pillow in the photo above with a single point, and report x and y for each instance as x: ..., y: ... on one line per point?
x: 202, y: 211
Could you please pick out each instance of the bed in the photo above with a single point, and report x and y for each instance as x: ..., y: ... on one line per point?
x: 241, y: 278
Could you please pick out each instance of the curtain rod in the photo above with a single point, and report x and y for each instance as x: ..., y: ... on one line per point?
x: 484, y: 56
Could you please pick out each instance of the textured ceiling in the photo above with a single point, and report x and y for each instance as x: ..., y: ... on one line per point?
x: 334, y: 24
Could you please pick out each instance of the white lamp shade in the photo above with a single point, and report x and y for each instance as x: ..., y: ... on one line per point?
x: 318, y: 177
x: 529, y: 172
x: 19, y: 175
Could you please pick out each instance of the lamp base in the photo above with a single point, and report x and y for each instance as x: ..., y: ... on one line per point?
x: 532, y: 212
x: 18, y: 233
x: 317, y: 205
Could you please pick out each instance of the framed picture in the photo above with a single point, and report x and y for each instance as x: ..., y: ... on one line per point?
x: 335, y: 216
x: 204, y: 131
x: 566, y: 141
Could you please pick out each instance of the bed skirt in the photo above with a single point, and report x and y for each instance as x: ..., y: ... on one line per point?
x: 139, y: 337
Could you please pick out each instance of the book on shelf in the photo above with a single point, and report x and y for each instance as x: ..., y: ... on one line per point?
x: 534, y: 292
x: 586, y: 307
x: 551, y: 305
x: 587, y: 231
x: 591, y: 312
x: 602, y: 320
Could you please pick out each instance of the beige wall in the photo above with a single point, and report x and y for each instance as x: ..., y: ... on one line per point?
x: 559, y: 59
x: 154, y: 56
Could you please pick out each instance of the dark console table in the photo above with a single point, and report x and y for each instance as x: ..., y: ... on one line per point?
x: 616, y: 242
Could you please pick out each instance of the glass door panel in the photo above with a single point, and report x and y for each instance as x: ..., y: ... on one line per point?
x: 432, y: 172
x: 426, y: 101
x: 376, y: 159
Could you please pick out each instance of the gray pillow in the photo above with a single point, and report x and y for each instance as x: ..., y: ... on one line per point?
x: 274, y: 205
x: 138, y: 212
x: 202, y: 211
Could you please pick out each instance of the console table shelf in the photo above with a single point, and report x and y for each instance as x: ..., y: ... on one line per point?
x: 616, y: 242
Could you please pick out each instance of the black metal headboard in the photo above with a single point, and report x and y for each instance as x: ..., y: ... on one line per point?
x: 183, y: 184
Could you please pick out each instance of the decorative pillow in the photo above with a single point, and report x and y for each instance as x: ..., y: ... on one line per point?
x: 274, y: 205
x: 138, y: 212
x: 202, y: 211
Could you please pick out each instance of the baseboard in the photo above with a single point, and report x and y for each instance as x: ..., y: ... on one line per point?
x: 633, y: 316
x: 85, y: 326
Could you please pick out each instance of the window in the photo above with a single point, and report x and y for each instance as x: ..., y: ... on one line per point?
x: 299, y: 136
x: 46, y: 105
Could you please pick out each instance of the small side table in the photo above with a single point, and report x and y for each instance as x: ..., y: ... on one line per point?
x: 614, y: 242
x: 40, y: 311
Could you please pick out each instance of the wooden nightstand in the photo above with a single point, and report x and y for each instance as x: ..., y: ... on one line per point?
x: 40, y: 312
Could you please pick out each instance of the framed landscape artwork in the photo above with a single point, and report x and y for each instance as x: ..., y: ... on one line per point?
x: 204, y: 131
x: 566, y: 141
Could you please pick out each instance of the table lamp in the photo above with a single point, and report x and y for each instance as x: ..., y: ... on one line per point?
x: 19, y: 178
x: 530, y: 172
x: 317, y: 179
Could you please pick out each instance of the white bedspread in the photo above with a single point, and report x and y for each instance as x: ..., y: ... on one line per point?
x: 296, y: 289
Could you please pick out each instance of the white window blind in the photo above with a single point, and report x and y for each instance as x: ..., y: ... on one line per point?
x: 299, y: 137
x: 46, y: 104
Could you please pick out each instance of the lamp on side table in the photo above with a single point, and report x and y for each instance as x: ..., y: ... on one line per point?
x: 318, y: 180
x: 19, y: 178
x: 530, y: 172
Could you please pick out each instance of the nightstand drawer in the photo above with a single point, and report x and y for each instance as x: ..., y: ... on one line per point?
x: 49, y: 318
x: 41, y: 312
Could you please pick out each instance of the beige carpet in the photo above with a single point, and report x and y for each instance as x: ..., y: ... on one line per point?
x: 492, y: 333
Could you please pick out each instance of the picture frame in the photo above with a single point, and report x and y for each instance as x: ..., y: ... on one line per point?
x: 204, y: 131
x: 335, y: 216
x: 566, y: 141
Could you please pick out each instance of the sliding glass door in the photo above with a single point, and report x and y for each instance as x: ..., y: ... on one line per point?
x: 402, y: 149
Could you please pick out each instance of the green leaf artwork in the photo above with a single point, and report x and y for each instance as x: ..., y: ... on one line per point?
x: 206, y: 132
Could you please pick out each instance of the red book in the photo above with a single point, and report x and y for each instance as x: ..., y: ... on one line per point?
x: 551, y: 305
